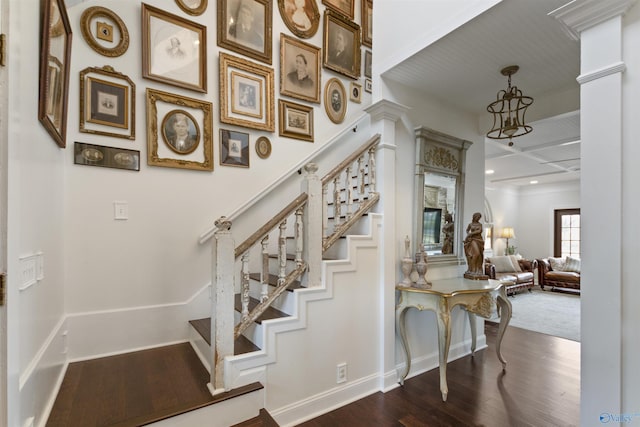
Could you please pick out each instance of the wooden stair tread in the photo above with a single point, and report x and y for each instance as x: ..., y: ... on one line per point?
x: 241, y: 345
x: 263, y: 419
x: 269, y: 313
x: 273, y: 281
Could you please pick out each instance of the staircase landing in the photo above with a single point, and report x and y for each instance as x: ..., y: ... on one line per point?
x: 135, y: 389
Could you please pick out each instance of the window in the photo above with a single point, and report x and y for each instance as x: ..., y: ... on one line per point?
x: 566, y: 239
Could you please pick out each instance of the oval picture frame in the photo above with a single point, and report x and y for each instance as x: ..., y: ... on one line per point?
x: 192, y: 125
x: 263, y: 147
x: 104, y: 31
x: 309, y: 14
x: 194, y: 10
x: 335, y: 100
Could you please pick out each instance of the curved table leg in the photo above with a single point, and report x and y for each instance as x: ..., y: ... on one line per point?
x: 444, y: 340
x: 400, y: 324
x: 505, y: 316
x: 472, y: 323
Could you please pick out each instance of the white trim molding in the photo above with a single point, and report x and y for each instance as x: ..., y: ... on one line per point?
x: 579, y: 15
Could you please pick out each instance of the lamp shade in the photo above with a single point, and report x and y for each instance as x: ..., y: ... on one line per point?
x: 507, y: 233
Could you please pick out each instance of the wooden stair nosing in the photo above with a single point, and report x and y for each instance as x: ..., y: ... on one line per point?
x: 269, y: 313
x: 241, y: 345
x: 144, y: 420
x: 273, y: 281
x: 264, y: 419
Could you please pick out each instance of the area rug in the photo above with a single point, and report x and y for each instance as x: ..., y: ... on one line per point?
x: 551, y: 313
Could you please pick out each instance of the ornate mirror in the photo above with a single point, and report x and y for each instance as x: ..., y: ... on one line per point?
x: 439, y: 189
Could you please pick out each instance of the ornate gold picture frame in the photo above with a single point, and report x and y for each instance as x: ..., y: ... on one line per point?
x: 245, y: 26
x: 300, y: 75
x: 367, y: 22
x: 301, y: 17
x: 179, y: 133
x: 296, y: 120
x: 343, y: 7
x: 193, y: 7
x: 246, y: 93
x: 174, y: 49
x: 104, y: 31
x: 55, y: 62
x: 341, y: 45
x: 335, y: 100
x: 107, y: 103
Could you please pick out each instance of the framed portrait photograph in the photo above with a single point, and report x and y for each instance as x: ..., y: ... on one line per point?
x: 192, y: 7
x: 263, y: 147
x: 355, y: 92
x: 367, y: 63
x: 174, y: 49
x: 107, y: 103
x: 246, y: 93
x: 244, y: 26
x: 335, y: 100
x: 301, y: 17
x: 367, y: 23
x: 296, y: 121
x: 341, y: 43
x: 367, y: 85
x: 104, y: 31
x: 179, y: 133
x: 299, y: 69
x: 234, y: 148
x: 344, y: 7
x: 55, y: 62
x: 107, y: 157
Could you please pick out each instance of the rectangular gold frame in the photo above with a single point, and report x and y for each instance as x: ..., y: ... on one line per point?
x: 290, y: 48
x: 180, y: 32
x: 367, y: 22
x: 291, y: 116
x: 334, y: 25
x: 55, y: 61
x: 248, y: 45
x: 233, y: 72
x: 91, y: 121
x: 339, y: 6
x: 161, y: 155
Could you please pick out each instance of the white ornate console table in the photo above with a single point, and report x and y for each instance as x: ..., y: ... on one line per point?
x: 476, y: 296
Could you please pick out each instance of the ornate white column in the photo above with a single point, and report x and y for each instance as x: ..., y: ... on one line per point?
x: 598, y: 25
x: 384, y: 115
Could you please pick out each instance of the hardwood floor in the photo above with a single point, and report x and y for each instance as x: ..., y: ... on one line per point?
x: 541, y: 387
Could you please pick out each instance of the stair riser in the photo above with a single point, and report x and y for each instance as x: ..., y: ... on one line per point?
x: 285, y: 302
x: 253, y: 332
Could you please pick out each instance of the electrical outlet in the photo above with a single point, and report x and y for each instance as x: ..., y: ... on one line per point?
x: 341, y: 373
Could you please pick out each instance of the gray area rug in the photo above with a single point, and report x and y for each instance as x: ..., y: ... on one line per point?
x: 551, y: 313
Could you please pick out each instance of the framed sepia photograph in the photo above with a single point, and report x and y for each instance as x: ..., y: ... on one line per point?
x: 173, y: 49
x: 107, y: 103
x: 341, y: 43
x: 55, y: 62
x: 246, y: 93
x: 179, y: 133
x: 355, y: 92
x: 296, y: 121
x: 367, y: 86
x: 301, y: 17
x: 192, y: 7
x: 104, y: 31
x: 299, y: 69
x: 263, y: 147
x: 335, y: 100
x: 367, y: 63
x: 244, y: 26
x: 234, y: 148
x: 108, y: 157
x: 344, y: 7
x: 367, y: 23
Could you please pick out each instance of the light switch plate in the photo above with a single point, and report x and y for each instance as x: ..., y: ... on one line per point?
x: 121, y: 210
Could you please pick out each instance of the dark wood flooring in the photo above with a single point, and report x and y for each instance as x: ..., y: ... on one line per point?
x: 541, y: 387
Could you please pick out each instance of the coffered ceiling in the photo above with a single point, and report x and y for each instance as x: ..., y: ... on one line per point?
x: 463, y: 70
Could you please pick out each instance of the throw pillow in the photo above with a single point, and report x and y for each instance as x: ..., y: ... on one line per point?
x: 516, y: 264
x: 503, y: 264
x: 572, y: 264
x: 557, y: 264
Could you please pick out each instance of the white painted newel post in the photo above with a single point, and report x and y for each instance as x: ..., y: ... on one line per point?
x: 222, y: 304
x: 313, y: 228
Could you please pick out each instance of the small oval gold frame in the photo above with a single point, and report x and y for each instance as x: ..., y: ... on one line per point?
x: 195, y: 11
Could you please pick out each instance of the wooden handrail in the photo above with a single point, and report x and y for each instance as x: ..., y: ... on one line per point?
x: 346, y: 162
x: 284, y: 213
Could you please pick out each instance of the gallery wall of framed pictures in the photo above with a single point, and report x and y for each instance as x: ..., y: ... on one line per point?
x: 267, y: 70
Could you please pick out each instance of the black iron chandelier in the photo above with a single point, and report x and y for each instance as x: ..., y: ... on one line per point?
x: 508, y: 110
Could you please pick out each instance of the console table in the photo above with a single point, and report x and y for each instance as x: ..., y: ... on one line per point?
x: 477, y: 297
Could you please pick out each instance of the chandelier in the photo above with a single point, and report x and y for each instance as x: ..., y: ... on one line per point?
x: 508, y: 110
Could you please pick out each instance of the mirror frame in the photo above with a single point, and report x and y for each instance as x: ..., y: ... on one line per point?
x: 441, y: 154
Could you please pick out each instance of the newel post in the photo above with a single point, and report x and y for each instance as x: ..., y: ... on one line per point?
x: 312, y: 220
x: 222, y: 321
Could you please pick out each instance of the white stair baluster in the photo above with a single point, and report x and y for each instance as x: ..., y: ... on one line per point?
x: 299, y: 233
x: 282, y: 254
x: 336, y: 203
x: 349, y: 192
x: 245, y: 285
x: 264, y: 275
x: 372, y: 170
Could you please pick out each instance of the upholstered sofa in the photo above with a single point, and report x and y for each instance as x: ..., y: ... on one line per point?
x: 559, y: 273
x: 517, y: 271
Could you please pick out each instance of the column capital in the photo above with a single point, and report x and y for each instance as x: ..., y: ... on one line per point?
x: 385, y: 109
x: 579, y: 15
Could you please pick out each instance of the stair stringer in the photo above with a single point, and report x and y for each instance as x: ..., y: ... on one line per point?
x: 250, y: 367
